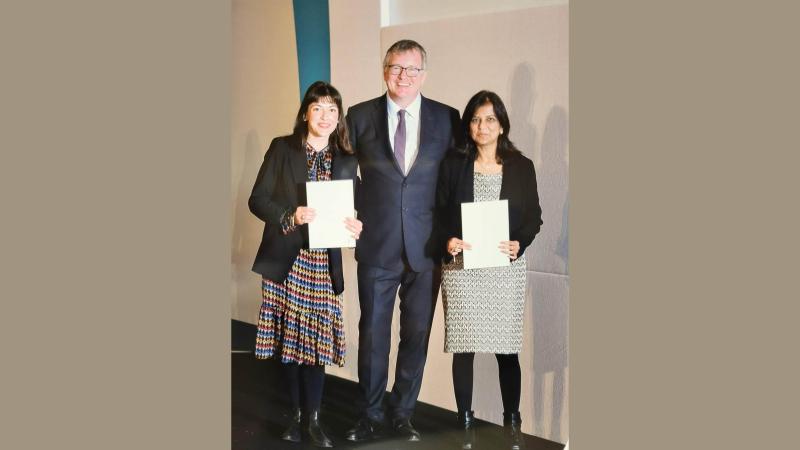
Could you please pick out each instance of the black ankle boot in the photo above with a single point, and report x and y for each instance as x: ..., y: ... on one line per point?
x: 292, y: 434
x: 466, y: 421
x: 318, y: 436
x: 512, y: 425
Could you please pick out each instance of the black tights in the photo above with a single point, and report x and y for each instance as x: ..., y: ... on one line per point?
x: 510, y: 380
x: 305, y: 380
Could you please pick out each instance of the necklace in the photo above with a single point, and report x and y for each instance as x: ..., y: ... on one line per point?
x: 487, y: 167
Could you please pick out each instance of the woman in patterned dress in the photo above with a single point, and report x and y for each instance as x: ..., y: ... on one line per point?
x: 300, y: 321
x: 484, y: 307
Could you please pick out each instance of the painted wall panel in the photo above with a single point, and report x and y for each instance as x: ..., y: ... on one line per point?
x: 402, y: 12
x: 264, y: 100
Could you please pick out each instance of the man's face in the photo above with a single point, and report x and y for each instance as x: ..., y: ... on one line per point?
x: 403, y: 89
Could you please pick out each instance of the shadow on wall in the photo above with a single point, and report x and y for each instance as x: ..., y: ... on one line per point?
x: 555, y: 146
x: 549, y: 309
x: 550, y: 293
x: 246, y: 232
x: 548, y: 280
x: 520, y: 109
x: 553, y: 175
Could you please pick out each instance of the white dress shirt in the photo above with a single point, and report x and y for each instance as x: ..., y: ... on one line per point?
x: 412, y: 127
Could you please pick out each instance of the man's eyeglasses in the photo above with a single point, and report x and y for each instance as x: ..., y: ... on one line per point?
x: 411, y: 71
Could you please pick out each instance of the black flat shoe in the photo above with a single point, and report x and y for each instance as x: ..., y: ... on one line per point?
x: 292, y: 434
x: 315, y: 431
x: 404, y: 428
x: 364, y: 430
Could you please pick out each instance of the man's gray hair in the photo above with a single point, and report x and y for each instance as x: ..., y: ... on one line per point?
x: 406, y: 45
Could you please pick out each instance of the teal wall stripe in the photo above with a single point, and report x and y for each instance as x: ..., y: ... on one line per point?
x: 312, y: 33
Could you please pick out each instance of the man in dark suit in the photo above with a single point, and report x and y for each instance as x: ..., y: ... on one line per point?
x: 399, y: 138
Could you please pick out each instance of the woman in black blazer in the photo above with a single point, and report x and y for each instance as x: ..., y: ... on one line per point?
x: 484, y: 307
x: 300, y: 320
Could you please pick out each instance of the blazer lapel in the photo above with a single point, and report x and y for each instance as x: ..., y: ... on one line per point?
x: 297, y: 161
x: 505, y: 184
x: 426, y: 127
x: 380, y: 121
x: 468, y: 174
x: 339, y: 166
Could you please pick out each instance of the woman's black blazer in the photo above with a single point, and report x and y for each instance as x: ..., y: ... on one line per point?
x: 280, y: 186
x: 456, y: 178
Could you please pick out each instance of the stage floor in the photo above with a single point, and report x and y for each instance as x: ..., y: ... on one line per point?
x: 259, y: 410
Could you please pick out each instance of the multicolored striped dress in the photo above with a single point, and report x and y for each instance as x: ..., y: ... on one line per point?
x: 301, y: 318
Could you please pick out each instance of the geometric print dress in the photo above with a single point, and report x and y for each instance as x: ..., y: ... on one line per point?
x: 300, y: 320
x: 484, y: 307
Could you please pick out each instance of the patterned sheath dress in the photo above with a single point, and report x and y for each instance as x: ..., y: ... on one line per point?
x: 301, y: 318
x: 483, y: 307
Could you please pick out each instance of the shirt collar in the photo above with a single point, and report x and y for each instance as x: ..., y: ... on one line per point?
x: 412, y: 109
x: 310, y: 150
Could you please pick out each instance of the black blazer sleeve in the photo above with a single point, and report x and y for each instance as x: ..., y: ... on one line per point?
x: 531, y: 221
x: 262, y: 201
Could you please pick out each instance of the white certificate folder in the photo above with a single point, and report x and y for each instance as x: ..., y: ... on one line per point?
x: 333, y: 202
x: 484, y: 225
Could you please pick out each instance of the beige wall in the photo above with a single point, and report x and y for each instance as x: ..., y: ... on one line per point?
x: 356, y: 72
x: 356, y: 52
x: 265, y: 98
x: 401, y: 12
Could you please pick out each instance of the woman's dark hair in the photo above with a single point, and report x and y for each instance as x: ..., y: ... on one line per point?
x: 339, y: 139
x: 505, y: 147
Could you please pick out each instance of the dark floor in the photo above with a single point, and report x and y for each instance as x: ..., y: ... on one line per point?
x: 259, y: 409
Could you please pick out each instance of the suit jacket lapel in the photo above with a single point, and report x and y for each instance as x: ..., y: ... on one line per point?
x: 426, y: 127
x: 426, y: 121
x: 380, y: 119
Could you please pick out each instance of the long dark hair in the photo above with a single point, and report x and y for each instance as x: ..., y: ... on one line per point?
x: 339, y: 139
x: 505, y: 147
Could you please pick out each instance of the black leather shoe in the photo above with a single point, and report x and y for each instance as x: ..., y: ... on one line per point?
x: 365, y: 429
x: 404, y: 428
x: 292, y: 434
x: 466, y: 421
x: 512, y: 424
x: 315, y: 431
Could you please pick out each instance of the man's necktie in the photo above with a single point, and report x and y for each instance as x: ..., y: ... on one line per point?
x: 400, y: 140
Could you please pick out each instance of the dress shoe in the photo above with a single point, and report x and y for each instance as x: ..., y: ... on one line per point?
x: 512, y: 425
x: 404, y: 428
x: 466, y: 421
x: 365, y: 429
x: 292, y: 434
x: 315, y: 431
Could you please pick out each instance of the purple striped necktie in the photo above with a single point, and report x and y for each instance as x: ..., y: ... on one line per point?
x: 400, y: 140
